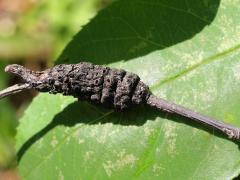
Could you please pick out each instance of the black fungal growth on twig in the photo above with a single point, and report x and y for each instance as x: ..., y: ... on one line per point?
x: 113, y: 88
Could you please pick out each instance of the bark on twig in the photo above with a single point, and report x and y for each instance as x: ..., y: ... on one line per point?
x: 13, y: 90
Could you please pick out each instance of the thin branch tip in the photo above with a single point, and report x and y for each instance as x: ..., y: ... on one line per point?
x: 17, y: 88
x: 231, y: 131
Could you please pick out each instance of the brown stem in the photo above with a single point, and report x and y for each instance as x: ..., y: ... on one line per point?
x: 13, y: 90
x: 161, y: 104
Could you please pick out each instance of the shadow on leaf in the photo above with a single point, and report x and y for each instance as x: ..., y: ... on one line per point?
x: 79, y: 112
x: 130, y: 29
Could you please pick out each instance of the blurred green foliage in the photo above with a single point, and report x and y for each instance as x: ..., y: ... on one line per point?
x: 33, y: 32
x: 7, y: 126
x: 59, y: 21
x: 45, y: 27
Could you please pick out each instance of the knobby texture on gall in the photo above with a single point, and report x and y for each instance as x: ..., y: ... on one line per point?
x: 113, y: 88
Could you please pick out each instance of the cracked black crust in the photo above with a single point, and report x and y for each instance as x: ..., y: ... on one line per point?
x: 114, y: 88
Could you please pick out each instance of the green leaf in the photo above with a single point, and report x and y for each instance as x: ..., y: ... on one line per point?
x: 7, y: 126
x: 186, y: 55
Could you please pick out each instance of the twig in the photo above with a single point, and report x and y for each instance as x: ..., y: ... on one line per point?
x: 13, y: 90
x: 161, y: 104
x: 113, y: 88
